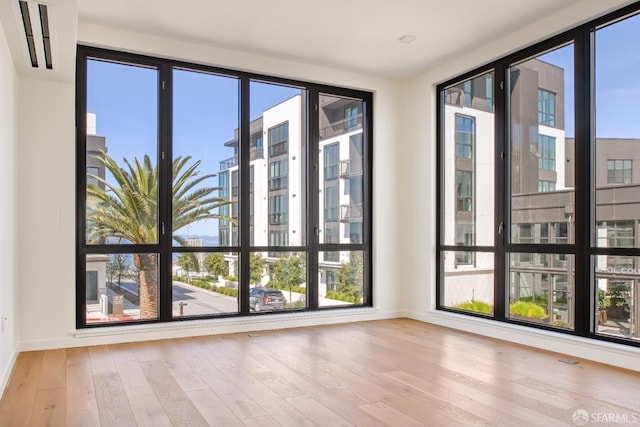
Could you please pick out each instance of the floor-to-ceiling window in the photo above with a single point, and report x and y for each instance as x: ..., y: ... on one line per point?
x: 202, y: 192
x: 538, y: 196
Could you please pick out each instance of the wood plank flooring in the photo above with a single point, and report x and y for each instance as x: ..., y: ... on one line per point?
x: 384, y: 373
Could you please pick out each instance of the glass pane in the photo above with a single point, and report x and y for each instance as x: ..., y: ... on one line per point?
x: 122, y: 147
x: 121, y: 287
x: 342, y: 159
x: 340, y: 278
x: 205, y: 283
x: 206, y: 154
x: 278, y: 281
x: 542, y: 148
x: 468, y: 193
x: 617, y: 150
x: 278, y: 196
x: 617, y: 296
x: 468, y: 281
x: 541, y: 288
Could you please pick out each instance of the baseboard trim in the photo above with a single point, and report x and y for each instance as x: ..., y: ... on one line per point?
x: 131, y: 333
x: 6, y: 373
x: 597, y: 351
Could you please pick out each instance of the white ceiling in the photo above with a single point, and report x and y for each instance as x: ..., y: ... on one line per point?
x: 358, y: 35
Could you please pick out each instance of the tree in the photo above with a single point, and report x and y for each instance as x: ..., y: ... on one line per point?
x: 215, y: 264
x: 189, y: 263
x: 350, y: 277
x: 118, y: 267
x: 127, y: 210
x: 290, y: 271
x: 256, y: 268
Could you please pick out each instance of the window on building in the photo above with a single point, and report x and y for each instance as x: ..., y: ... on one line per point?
x: 619, y: 171
x: 93, y: 173
x: 464, y: 191
x: 467, y: 89
x: 279, y: 139
x: 489, y: 91
x: 465, y: 136
x: 546, y: 152
x: 161, y: 223
x: 544, y: 186
x: 351, y: 116
x: 278, y: 175
x: 331, y: 161
x: 546, y: 107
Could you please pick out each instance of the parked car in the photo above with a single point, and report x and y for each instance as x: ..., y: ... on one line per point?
x: 265, y: 299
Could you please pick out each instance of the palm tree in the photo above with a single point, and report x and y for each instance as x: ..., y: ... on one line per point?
x: 127, y: 210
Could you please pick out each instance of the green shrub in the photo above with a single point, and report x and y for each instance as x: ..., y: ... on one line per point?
x: 475, y: 306
x: 201, y: 284
x: 232, y: 292
x: 527, y: 309
x: 342, y: 297
x: 297, y: 304
x: 231, y: 278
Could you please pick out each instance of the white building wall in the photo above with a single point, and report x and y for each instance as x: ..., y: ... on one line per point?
x: 289, y: 111
x: 261, y: 200
x: 561, y: 164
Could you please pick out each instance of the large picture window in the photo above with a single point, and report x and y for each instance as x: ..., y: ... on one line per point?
x: 557, y: 245
x: 185, y: 214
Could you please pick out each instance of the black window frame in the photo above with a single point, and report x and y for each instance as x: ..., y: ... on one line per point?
x: 583, y: 250
x: 244, y: 247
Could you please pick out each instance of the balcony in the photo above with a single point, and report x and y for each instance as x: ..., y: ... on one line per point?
x: 278, y: 183
x: 341, y: 127
x: 350, y: 168
x: 278, y: 218
x: 254, y: 154
x: 350, y: 213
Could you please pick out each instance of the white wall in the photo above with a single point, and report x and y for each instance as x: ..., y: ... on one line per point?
x: 8, y: 281
x: 46, y: 200
x: 417, y: 178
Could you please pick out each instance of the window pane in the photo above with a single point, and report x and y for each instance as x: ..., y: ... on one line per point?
x: 342, y: 159
x: 468, y: 145
x: 617, y: 145
x: 278, y: 281
x: 341, y: 278
x: 205, y: 283
x: 541, y: 288
x: 542, y: 143
x: 468, y: 281
x: 121, y: 287
x: 122, y: 147
x: 205, y: 129
x: 279, y: 176
x: 617, y: 296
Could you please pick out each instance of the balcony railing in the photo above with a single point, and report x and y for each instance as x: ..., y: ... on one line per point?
x: 351, y: 212
x: 342, y: 126
x: 349, y: 168
x: 255, y: 153
x: 278, y: 218
x: 278, y: 183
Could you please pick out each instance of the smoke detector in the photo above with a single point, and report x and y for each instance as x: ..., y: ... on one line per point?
x: 34, y: 20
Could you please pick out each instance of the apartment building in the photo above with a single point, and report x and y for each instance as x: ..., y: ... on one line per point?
x: 277, y: 182
x: 541, y: 204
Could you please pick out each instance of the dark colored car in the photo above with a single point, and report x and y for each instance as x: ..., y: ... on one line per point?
x: 265, y: 299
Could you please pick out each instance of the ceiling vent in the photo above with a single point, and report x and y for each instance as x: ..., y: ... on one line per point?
x: 34, y: 21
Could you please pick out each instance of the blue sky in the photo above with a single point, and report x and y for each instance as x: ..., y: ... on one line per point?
x: 205, y: 113
x: 124, y: 99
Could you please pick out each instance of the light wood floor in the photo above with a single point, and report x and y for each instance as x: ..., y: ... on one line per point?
x: 396, y: 372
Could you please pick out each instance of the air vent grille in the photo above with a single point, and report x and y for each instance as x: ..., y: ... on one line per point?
x: 36, y: 26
